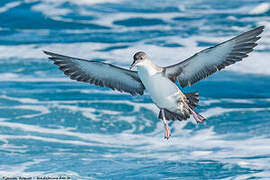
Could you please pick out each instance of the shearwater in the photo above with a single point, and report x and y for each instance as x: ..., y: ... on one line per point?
x: 160, y: 81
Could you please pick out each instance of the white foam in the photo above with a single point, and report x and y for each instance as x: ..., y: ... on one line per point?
x: 99, y: 91
x: 64, y: 131
x: 244, y: 101
x: 8, y: 76
x: 208, y: 102
x: 152, y: 144
x: 19, y: 169
x: 21, y: 100
x: 216, y: 111
x: 54, y: 9
x: 90, y: 116
x: 12, y: 77
x: 50, y: 9
x: 39, y: 108
x: 84, y: 50
x: 10, y: 5
x: 13, y: 148
x: 78, y: 2
x: 260, y: 175
x: 51, y: 140
x: 109, y: 20
x: 260, y: 9
x: 22, y: 170
x: 256, y: 63
x: 200, y: 153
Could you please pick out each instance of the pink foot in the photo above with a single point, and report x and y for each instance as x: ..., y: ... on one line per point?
x: 167, y: 131
x: 199, y: 118
x: 166, y: 126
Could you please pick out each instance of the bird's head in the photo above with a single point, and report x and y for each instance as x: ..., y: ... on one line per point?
x: 138, y: 59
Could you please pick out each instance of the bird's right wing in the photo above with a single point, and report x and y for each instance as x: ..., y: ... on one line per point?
x: 99, y: 73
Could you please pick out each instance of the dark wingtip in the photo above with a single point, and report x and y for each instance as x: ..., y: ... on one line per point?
x: 260, y: 29
x: 49, y: 53
x: 46, y: 52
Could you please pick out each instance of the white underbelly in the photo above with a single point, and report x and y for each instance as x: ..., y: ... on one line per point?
x: 162, y: 91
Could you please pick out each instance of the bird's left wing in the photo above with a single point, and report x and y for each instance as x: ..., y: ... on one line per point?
x: 209, y: 60
x: 99, y: 73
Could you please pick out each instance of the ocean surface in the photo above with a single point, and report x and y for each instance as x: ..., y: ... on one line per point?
x: 51, y: 126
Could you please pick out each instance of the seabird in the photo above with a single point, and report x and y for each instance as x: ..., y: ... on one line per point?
x: 159, y: 81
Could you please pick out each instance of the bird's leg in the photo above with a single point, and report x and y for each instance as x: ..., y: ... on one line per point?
x: 166, y: 126
x: 199, y: 118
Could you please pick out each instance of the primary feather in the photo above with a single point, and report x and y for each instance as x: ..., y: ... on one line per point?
x: 209, y: 60
x: 99, y: 73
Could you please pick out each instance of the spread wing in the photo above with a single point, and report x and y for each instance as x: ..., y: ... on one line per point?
x: 99, y: 73
x: 209, y: 60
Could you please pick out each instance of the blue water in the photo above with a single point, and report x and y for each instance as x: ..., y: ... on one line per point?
x: 52, y: 126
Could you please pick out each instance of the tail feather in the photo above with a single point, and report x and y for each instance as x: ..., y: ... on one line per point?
x: 193, y: 99
x: 199, y: 118
x: 172, y: 116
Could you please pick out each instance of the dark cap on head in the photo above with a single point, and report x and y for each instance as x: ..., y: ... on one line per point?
x: 139, y: 55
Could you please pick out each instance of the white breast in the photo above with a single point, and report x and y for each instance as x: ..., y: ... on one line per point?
x: 162, y: 91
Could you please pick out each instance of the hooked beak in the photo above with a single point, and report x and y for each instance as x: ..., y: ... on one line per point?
x: 133, y: 65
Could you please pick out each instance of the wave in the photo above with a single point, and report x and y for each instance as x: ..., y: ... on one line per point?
x: 206, y: 144
x: 199, y: 143
x: 260, y: 9
x: 10, y: 5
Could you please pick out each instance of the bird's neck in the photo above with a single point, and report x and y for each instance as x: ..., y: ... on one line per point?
x: 149, y: 68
